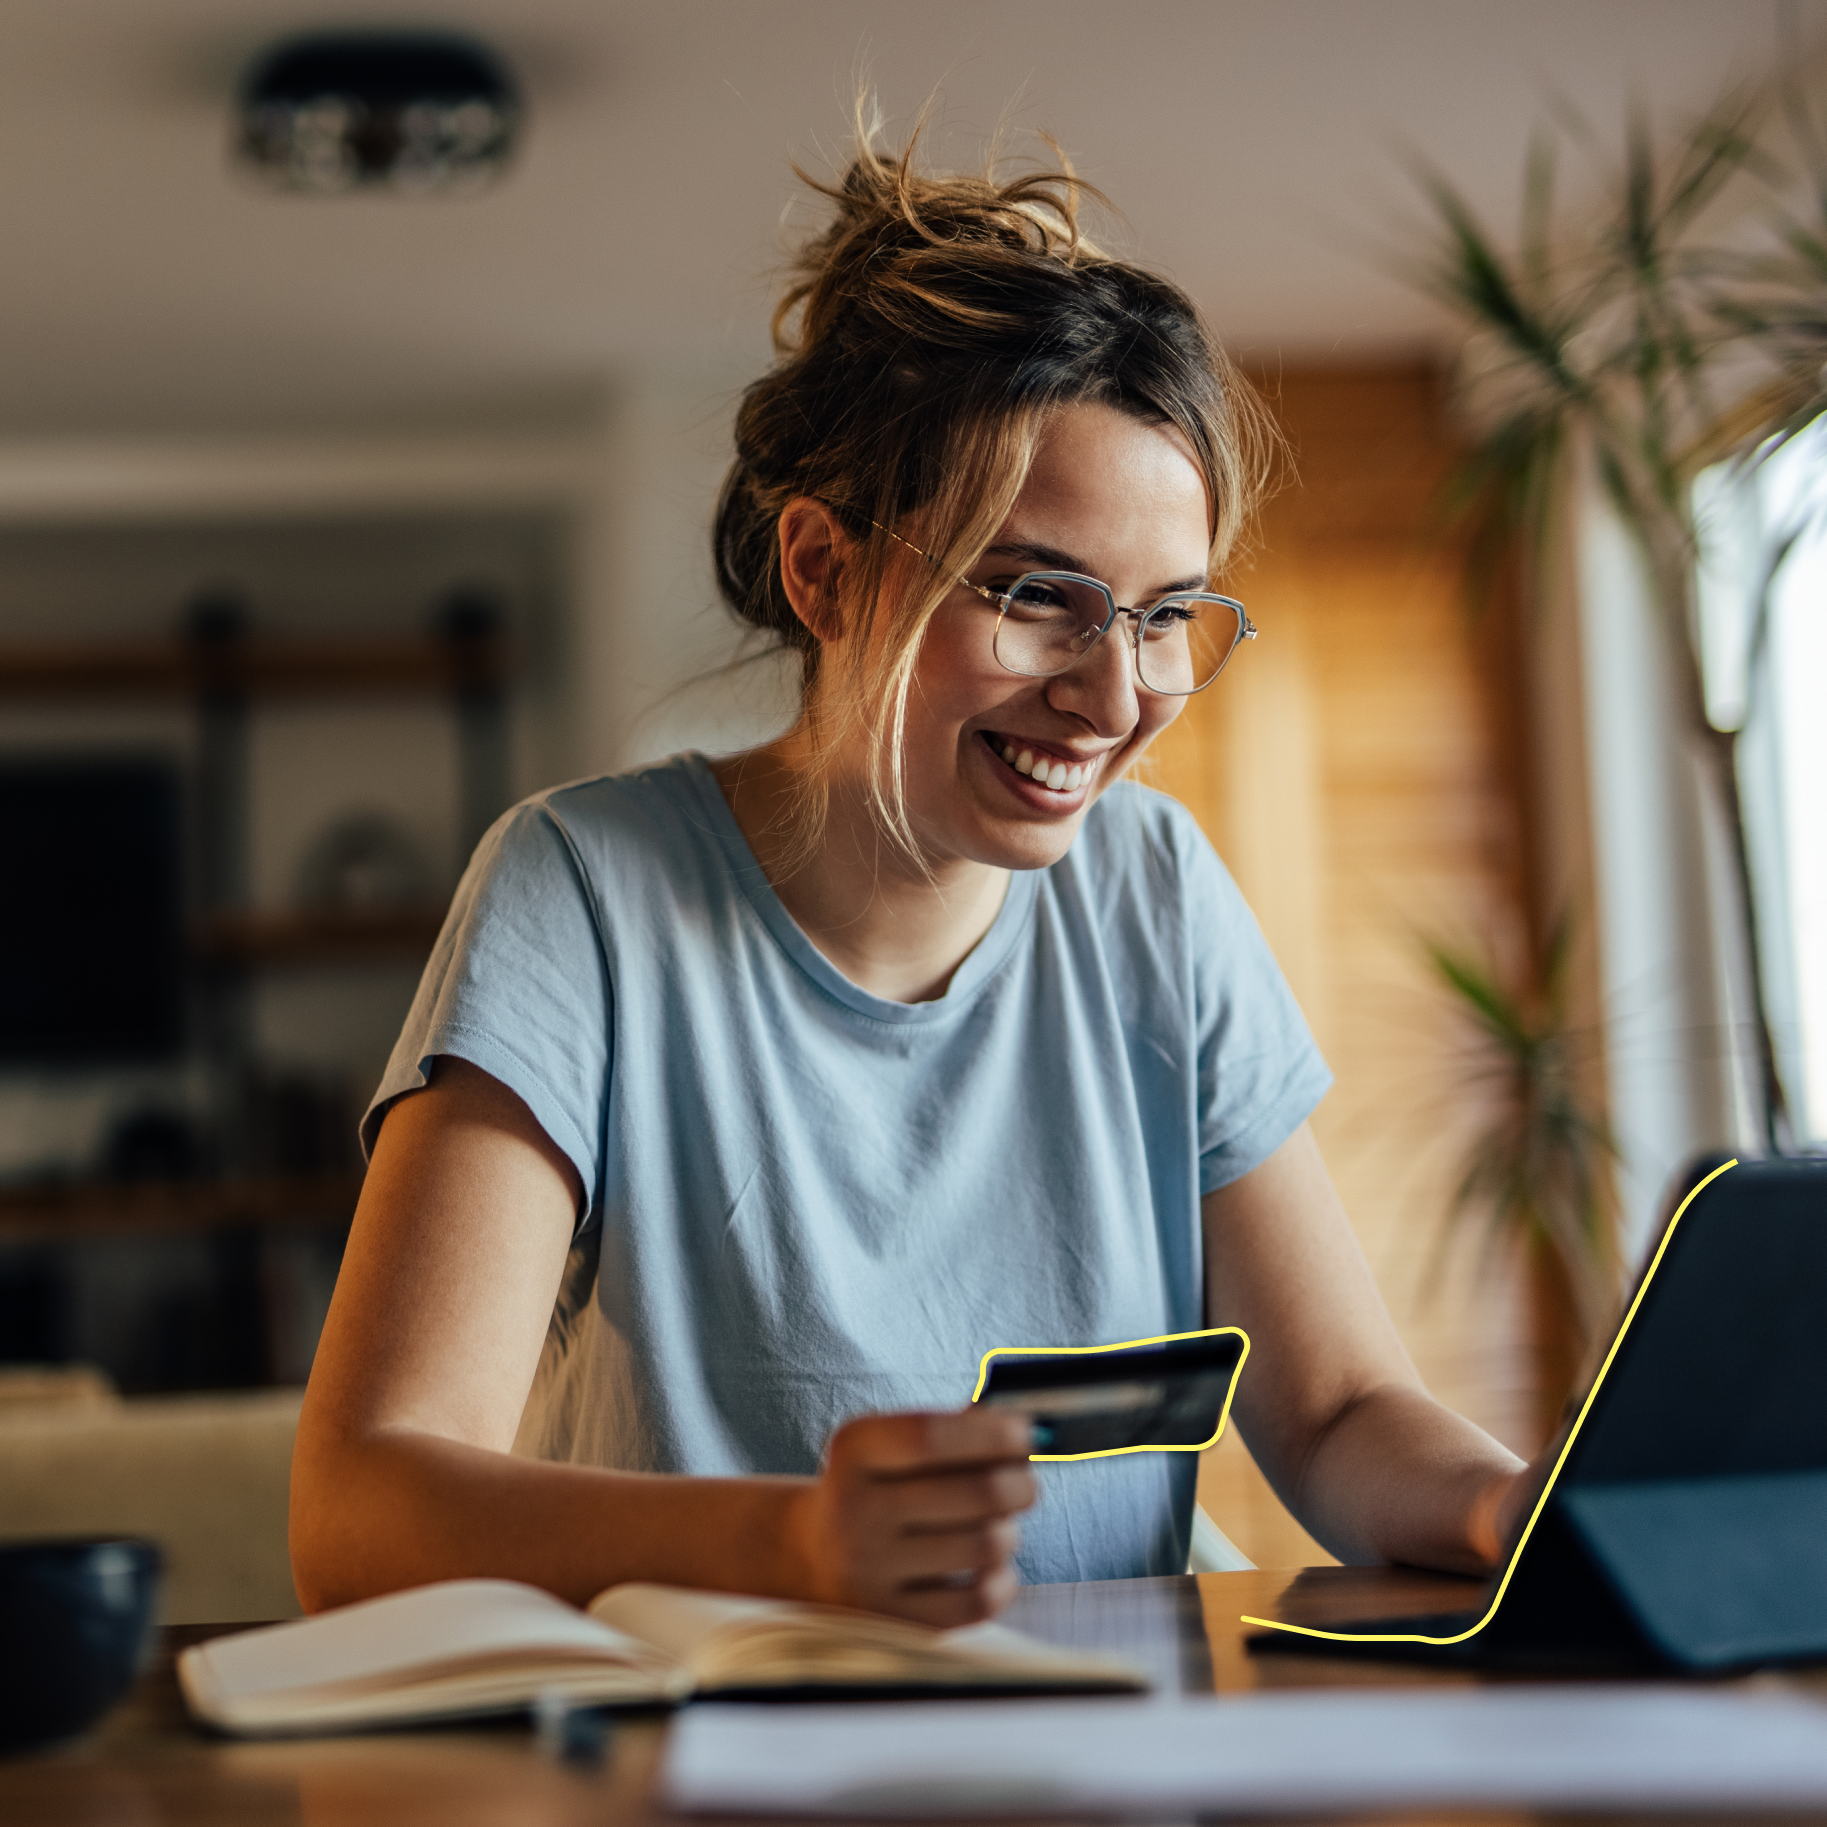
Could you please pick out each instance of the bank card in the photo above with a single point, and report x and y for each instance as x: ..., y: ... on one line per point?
x: 1169, y: 1395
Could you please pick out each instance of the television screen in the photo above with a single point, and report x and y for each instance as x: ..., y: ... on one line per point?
x: 91, y: 911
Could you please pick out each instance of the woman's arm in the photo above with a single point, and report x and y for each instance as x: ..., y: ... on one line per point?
x: 1329, y: 1404
x: 402, y: 1472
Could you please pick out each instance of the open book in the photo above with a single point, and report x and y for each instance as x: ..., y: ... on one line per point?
x: 467, y: 1647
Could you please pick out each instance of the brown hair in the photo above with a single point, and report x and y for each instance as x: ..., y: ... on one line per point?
x: 924, y: 338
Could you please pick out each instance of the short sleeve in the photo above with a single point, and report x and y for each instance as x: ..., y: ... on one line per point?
x: 517, y: 985
x: 1260, y: 1071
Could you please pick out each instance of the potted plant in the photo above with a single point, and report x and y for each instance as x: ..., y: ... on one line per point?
x: 1666, y: 331
x: 1537, y: 1166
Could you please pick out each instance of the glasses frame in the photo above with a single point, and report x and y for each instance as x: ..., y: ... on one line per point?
x: 1000, y: 600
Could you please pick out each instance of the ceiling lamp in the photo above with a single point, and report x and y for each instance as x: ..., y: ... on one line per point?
x: 411, y: 111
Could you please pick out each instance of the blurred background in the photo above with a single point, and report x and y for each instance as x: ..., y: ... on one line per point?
x: 343, y: 503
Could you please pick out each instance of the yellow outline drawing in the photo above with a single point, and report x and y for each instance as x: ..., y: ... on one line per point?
x: 1075, y: 1351
x: 1541, y: 1503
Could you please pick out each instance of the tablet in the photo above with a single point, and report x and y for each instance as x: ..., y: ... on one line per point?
x: 1682, y: 1525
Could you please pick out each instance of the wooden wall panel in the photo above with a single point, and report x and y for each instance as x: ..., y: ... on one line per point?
x: 1350, y: 770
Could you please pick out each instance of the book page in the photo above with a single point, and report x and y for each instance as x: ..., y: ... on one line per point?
x: 680, y: 1621
x: 730, y: 1641
x: 454, y: 1627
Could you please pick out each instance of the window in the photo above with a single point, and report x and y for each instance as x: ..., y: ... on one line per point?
x: 1763, y: 616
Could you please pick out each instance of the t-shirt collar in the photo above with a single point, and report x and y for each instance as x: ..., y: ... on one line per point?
x: 986, y: 958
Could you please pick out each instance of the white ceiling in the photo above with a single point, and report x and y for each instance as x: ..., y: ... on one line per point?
x: 1255, y: 147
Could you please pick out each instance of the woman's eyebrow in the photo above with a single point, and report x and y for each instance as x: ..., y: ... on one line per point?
x: 1051, y: 558
x: 1043, y: 558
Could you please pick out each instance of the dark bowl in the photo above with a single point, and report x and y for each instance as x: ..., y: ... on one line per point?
x: 76, y: 1620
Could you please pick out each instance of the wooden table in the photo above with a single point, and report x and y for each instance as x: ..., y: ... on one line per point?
x: 145, y: 1767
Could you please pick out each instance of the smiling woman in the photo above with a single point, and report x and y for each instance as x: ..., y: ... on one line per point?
x: 745, y: 1104
x: 1103, y: 489
x: 930, y: 340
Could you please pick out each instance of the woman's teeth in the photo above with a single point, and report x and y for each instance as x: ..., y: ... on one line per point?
x: 1043, y: 771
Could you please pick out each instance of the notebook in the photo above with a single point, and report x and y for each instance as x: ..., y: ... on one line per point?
x: 462, y: 1648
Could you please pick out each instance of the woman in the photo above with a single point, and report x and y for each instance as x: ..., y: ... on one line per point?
x: 745, y: 1105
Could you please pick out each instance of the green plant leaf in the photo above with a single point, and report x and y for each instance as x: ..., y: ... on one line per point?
x: 1536, y: 1169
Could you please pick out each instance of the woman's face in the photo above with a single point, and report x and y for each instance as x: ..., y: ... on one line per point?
x: 1112, y: 498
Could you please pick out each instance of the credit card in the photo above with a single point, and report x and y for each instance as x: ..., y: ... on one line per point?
x: 1170, y: 1396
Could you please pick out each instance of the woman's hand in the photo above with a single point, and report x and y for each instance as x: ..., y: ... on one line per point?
x: 915, y: 1515
x: 1517, y: 1496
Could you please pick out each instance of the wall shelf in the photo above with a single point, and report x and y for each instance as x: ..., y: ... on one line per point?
x: 330, y: 936
x: 90, y: 1208
x: 362, y: 569
x: 254, y: 668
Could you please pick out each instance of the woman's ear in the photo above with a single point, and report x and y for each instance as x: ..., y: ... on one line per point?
x: 812, y: 547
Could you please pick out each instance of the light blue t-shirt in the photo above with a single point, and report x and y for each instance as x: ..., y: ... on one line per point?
x: 806, y: 1203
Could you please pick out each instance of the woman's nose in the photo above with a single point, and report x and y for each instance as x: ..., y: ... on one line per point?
x: 1102, y: 687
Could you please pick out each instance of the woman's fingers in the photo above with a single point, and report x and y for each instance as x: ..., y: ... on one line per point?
x: 919, y: 1445
x: 914, y: 1514
x: 955, y: 1500
x: 948, y: 1607
x: 959, y: 1555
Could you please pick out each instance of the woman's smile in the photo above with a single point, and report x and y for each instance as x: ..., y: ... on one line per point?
x: 1061, y: 776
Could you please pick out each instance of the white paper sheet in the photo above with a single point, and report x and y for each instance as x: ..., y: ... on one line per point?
x: 1587, y: 1747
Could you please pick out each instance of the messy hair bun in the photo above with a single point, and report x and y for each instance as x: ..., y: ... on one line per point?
x: 923, y: 339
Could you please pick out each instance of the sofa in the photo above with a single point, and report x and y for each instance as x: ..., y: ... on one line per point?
x: 205, y: 1476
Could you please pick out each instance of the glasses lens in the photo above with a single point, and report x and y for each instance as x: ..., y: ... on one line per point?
x: 1050, y: 619
x: 1185, y: 643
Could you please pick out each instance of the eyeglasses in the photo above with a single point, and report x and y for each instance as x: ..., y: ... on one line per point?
x: 1047, y: 621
